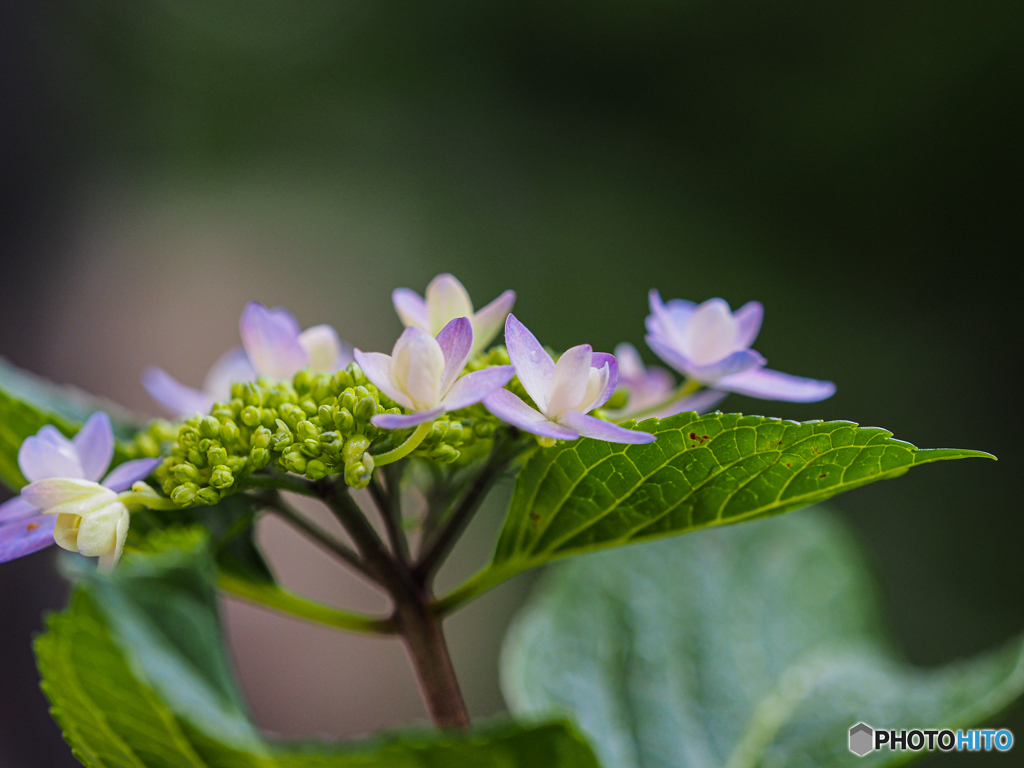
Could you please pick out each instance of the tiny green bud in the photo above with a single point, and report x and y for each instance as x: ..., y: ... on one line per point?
x: 324, y: 413
x: 259, y: 457
x: 208, y: 496
x: 343, y: 420
x: 169, y: 485
x: 368, y: 462
x: 348, y: 399
x: 197, y: 457
x: 295, y: 462
x: 306, y: 430
x: 315, y: 469
x: 262, y: 436
x: 358, y: 377
x: 618, y: 400
x: 356, y: 475
x: 221, y: 477
x: 251, y: 415
x: 309, y: 407
x: 301, y: 381
x: 184, y: 494
x: 229, y: 432
x: 366, y: 408
x: 484, y: 428
x: 268, y: 417
x: 216, y: 456
x: 209, y: 427
x: 445, y: 453
x: 311, y: 447
x: 332, y: 443
x: 185, y: 473
x: 342, y: 380
x: 237, y: 463
x: 354, y: 449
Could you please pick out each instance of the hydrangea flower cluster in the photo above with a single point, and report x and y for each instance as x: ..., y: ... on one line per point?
x: 294, y: 401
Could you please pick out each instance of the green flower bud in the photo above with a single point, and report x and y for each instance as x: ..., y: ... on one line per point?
x: 445, y: 453
x: 259, y: 457
x: 197, y: 457
x: 221, y: 477
x: 169, y: 485
x: 294, y: 462
x: 208, y: 496
x: 261, y: 437
x: 315, y: 469
x: 348, y: 400
x: 184, y: 494
x: 306, y: 430
x: 217, y: 455
x: 484, y: 428
x: 251, y: 416
x: 268, y: 417
x: 332, y: 443
x: 311, y: 447
x: 185, y: 473
x: 356, y: 475
x: 365, y: 409
x: 358, y: 377
x: 341, y: 381
x: 309, y: 407
x: 237, y: 463
x: 325, y: 415
x: 229, y: 432
x: 209, y: 427
x: 354, y: 449
x: 343, y: 419
x: 301, y: 381
x: 368, y: 462
x: 188, y: 437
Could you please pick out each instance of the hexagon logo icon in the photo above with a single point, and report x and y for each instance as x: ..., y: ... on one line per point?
x: 862, y: 739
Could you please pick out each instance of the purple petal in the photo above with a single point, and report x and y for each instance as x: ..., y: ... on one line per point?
x: 474, y: 387
x: 23, y: 537
x: 706, y: 374
x: 95, y: 445
x: 533, y: 364
x: 749, y: 317
x: 124, y: 476
x: 231, y: 367
x: 271, y: 339
x: 666, y: 319
x: 16, y: 509
x: 599, y: 360
x: 377, y: 367
x: 456, y: 340
x: 701, y: 402
x: 511, y: 409
x: 488, y: 321
x: 49, y: 454
x: 325, y: 351
x: 175, y: 397
x: 773, y: 385
x: 631, y: 366
x: 404, y: 421
x: 411, y: 308
x: 597, y: 429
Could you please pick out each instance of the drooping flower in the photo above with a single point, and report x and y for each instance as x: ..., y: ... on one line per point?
x: 711, y: 345
x: 446, y: 300
x: 63, y: 501
x: 273, y: 345
x: 650, y: 386
x: 565, y: 392
x: 422, y: 374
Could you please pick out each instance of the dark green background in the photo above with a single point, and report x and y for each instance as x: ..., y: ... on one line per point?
x: 857, y: 167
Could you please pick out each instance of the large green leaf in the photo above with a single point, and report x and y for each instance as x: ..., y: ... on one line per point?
x: 756, y: 645
x: 29, y: 402
x: 137, y: 676
x: 702, y: 471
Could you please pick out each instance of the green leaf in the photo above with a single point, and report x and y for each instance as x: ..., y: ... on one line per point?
x: 136, y: 674
x: 702, y: 471
x: 29, y: 402
x: 745, y: 646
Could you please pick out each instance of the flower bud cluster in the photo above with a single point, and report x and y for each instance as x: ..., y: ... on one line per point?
x: 316, y: 426
x: 153, y: 440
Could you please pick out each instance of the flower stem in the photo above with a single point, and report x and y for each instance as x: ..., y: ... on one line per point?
x: 410, y: 445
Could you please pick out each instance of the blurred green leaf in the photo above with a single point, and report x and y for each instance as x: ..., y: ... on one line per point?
x: 702, y: 471
x: 29, y: 402
x: 757, y: 645
x: 136, y: 674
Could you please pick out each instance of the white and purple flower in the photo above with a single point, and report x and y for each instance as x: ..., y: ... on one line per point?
x: 273, y: 345
x: 710, y: 344
x: 447, y: 299
x: 64, y: 502
x: 564, y: 392
x: 422, y: 374
x: 650, y: 387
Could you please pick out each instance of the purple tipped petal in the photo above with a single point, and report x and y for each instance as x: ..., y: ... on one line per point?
x: 231, y: 367
x: 411, y: 308
x: 377, y: 366
x: 488, y: 321
x: 404, y: 421
x: 701, y: 402
x: 597, y: 429
x: 474, y: 387
x: 124, y: 476
x: 666, y: 319
x: 456, y: 341
x: 16, y: 509
x: 599, y: 360
x: 749, y: 317
x: 174, y: 396
x: 773, y: 385
x: 49, y: 454
x: 569, y: 380
x: 706, y: 374
x: 23, y: 537
x: 532, y: 362
x: 325, y: 351
x: 271, y: 339
x: 95, y: 445
x: 514, y: 411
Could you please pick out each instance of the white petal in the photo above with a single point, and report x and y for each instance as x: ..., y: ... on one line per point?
x: 109, y: 560
x: 97, y: 533
x: 569, y: 380
x: 711, y: 334
x: 61, y: 495
x: 419, y: 367
x: 65, y: 532
x: 49, y: 454
x: 379, y: 369
x: 447, y: 299
x: 533, y: 364
x: 411, y: 308
x: 94, y: 445
x: 323, y: 347
x: 597, y: 382
x: 230, y: 368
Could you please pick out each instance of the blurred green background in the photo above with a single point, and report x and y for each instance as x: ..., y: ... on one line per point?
x: 857, y: 167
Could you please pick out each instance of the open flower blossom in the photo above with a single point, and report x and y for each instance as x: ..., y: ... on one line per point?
x: 446, y: 300
x: 64, y: 502
x: 422, y: 374
x: 273, y: 345
x: 650, y: 386
x: 564, y: 392
x: 711, y: 345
